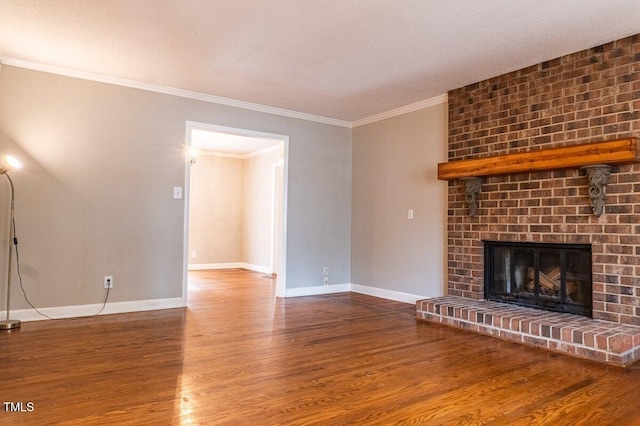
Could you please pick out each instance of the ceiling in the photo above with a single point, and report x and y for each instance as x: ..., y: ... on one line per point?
x: 340, y: 59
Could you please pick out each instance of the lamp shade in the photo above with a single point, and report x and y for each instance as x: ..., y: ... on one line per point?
x: 8, y: 163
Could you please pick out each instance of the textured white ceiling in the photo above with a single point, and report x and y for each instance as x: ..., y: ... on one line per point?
x: 343, y: 59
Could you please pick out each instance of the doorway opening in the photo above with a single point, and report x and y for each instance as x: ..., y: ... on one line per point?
x: 235, y: 201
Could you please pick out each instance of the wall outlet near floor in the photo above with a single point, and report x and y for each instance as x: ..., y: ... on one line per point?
x: 108, y: 281
x: 325, y: 273
x: 193, y: 254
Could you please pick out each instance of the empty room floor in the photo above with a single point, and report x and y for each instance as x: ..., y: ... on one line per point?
x: 238, y: 355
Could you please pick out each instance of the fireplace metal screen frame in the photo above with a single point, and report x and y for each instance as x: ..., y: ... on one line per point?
x: 534, y: 300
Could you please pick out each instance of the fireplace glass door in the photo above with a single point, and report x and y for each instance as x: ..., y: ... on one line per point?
x: 555, y: 277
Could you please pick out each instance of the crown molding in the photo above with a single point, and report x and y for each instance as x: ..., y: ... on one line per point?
x: 436, y: 100
x: 53, y: 69
x: 134, y: 84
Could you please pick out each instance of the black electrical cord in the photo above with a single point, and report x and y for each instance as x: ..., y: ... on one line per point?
x: 15, y: 244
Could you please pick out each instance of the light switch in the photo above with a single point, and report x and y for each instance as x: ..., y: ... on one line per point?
x: 177, y: 193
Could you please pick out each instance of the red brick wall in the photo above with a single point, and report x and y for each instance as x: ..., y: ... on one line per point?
x: 589, y: 96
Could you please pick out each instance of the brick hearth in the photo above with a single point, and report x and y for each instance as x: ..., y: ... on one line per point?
x: 597, y: 340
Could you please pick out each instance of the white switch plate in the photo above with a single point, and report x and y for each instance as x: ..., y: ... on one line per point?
x: 410, y: 214
x: 177, y: 193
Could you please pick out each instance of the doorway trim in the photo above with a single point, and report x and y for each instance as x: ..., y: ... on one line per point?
x: 280, y: 240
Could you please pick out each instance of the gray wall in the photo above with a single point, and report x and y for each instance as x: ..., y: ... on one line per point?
x: 95, y: 196
x: 394, y: 170
x: 319, y: 235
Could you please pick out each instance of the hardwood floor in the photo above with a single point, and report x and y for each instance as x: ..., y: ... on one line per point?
x: 240, y: 356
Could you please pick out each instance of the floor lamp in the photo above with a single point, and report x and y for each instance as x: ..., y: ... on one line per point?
x: 9, y: 163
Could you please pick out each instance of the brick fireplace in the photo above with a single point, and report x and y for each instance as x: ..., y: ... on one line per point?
x: 585, y: 97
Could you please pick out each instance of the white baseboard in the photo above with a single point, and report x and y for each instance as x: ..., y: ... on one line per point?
x: 76, y: 311
x: 234, y: 265
x: 257, y: 268
x: 387, y: 294
x: 204, y: 266
x: 316, y: 290
x: 396, y: 296
x: 178, y: 302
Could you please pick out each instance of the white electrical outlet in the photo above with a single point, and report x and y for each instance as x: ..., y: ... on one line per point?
x: 325, y: 271
x: 410, y: 214
x: 193, y: 254
x: 108, y: 281
x: 326, y: 280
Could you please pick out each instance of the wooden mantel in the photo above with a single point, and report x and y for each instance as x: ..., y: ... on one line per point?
x: 621, y: 151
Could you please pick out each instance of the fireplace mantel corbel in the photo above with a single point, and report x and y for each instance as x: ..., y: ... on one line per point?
x: 598, y: 176
x: 472, y: 187
x: 595, y: 158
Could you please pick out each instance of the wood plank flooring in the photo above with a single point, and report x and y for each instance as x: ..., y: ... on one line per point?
x: 239, y: 356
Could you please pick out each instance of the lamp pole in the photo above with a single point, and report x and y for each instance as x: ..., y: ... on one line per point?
x: 10, y: 324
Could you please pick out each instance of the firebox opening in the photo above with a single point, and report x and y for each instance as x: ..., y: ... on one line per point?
x: 554, y: 277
